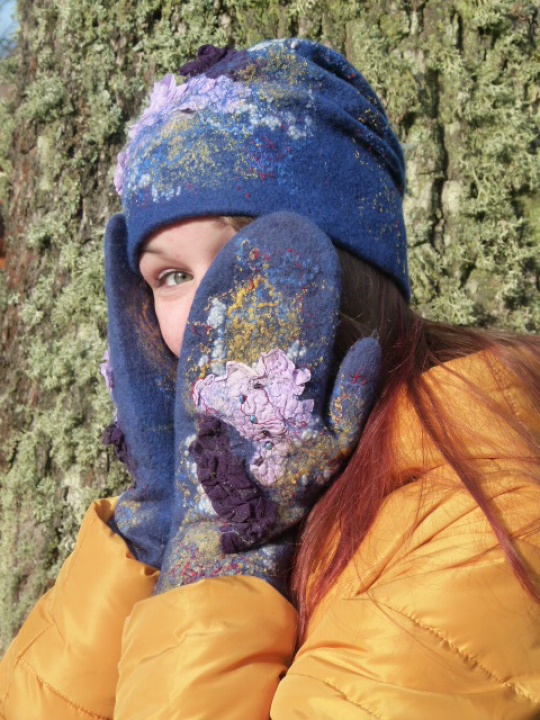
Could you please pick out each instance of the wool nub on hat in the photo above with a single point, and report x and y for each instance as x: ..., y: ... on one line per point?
x: 285, y: 125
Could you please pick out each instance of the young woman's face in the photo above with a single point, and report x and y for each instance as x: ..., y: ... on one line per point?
x: 173, y: 262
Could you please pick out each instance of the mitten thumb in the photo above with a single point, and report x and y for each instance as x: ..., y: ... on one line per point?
x: 354, y: 391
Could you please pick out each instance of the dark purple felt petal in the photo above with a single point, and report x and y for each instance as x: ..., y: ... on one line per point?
x: 114, y: 435
x: 248, y: 514
x: 207, y: 57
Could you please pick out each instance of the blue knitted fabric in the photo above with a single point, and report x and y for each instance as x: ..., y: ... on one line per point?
x: 285, y: 125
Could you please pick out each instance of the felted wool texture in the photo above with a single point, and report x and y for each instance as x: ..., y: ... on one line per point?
x: 285, y: 125
x: 275, y: 286
x: 253, y: 410
x: 142, y: 378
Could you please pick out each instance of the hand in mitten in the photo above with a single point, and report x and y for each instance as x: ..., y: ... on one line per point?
x: 259, y: 434
x: 143, y: 386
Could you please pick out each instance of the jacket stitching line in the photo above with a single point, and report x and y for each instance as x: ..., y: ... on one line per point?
x: 78, y: 707
x: 33, y: 640
x: 340, y: 691
x: 466, y: 656
x: 19, y: 659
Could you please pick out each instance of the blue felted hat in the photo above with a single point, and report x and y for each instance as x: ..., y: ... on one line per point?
x: 285, y: 125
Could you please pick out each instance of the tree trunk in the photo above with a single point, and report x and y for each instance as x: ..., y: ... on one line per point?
x: 461, y: 82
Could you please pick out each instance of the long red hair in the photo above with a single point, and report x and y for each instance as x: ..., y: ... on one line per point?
x: 410, y: 345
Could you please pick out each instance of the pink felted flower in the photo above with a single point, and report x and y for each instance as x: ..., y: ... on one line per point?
x: 263, y: 404
x: 221, y: 94
x: 165, y: 94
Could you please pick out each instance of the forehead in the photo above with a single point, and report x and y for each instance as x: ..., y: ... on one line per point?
x: 195, y: 238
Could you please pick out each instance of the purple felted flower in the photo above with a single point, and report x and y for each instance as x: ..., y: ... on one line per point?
x: 248, y: 514
x: 207, y: 57
x: 114, y: 435
x: 263, y: 404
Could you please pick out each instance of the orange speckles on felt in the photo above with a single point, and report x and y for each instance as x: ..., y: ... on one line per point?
x: 256, y: 316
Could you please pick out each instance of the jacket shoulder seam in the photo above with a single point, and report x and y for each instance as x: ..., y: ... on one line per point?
x: 347, y: 699
x: 76, y: 706
x: 471, y: 659
x: 18, y: 660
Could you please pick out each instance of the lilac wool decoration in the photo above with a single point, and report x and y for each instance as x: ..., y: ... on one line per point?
x: 263, y: 405
x: 286, y: 125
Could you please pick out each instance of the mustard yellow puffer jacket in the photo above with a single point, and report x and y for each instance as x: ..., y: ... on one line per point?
x: 428, y: 621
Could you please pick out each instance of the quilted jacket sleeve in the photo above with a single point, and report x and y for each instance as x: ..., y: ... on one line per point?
x: 99, y: 645
x: 63, y: 663
x: 214, y: 649
x: 428, y: 621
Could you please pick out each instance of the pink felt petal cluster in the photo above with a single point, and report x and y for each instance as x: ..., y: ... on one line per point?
x: 222, y: 94
x: 263, y: 404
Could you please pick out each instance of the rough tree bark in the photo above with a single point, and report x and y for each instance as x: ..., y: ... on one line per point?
x: 461, y: 82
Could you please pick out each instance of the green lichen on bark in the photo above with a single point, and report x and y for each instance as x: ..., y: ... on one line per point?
x: 460, y: 80
x: 7, y: 76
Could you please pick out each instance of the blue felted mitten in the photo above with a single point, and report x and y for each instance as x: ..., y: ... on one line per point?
x: 143, y: 386
x: 259, y: 433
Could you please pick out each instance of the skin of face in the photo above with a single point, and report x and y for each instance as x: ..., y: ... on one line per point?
x: 173, y: 262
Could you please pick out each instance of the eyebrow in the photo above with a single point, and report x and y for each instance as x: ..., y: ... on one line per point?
x: 152, y: 251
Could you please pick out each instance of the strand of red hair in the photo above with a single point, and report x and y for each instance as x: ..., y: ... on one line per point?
x: 410, y: 346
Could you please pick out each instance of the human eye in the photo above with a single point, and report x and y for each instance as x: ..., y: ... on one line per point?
x: 173, y: 278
